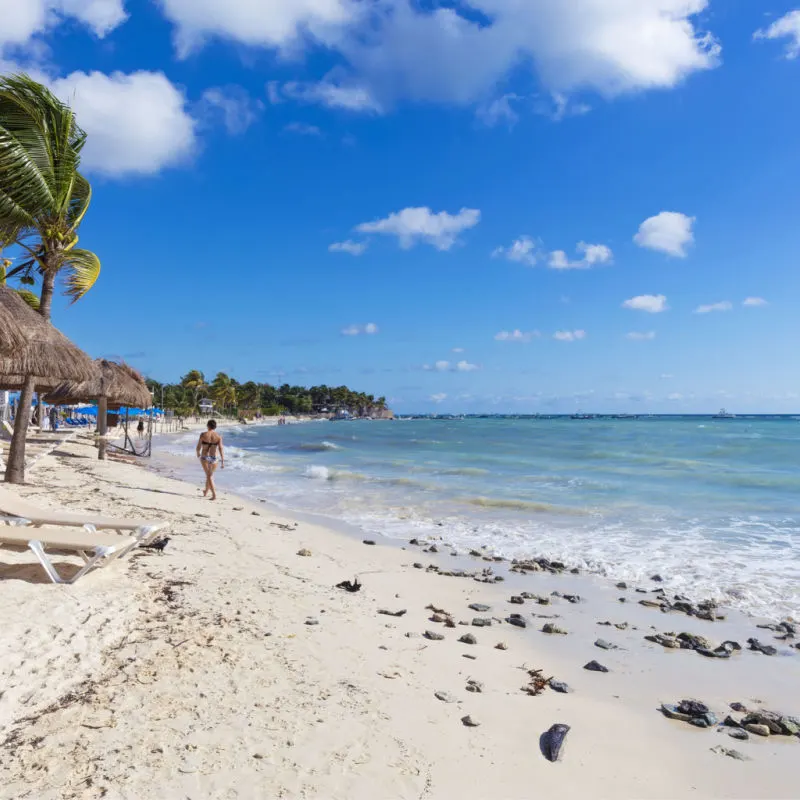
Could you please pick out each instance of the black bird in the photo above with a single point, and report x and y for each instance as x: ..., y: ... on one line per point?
x: 158, y: 544
x: 349, y: 586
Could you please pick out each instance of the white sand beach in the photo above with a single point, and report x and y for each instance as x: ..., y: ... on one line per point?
x: 196, y: 674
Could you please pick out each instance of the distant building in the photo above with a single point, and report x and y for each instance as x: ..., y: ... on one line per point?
x: 206, y: 406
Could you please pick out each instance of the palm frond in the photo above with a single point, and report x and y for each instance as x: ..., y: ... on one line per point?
x: 82, y: 269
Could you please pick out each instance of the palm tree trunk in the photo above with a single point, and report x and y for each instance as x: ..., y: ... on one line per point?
x: 15, y: 469
x: 102, y: 427
x: 48, y: 289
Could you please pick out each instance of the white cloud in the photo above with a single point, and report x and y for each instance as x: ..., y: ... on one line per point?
x: 333, y: 95
x: 522, y: 251
x: 438, y: 398
x: 669, y: 232
x: 233, y: 105
x: 675, y: 396
x: 457, y: 350
x: 592, y: 254
x: 787, y: 27
x: 651, y: 303
x: 136, y: 123
x: 370, y: 329
x: 412, y: 225
x: 302, y: 129
x: 23, y: 19
x: 465, y: 366
x: 460, y: 55
x: 447, y: 366
x: 755, y: 302
x: 516, y: 336
x: 637, y: 336
x: 723, y: 306
x: 569, y: 336
x: 351, y: 247
x: 499, y: 111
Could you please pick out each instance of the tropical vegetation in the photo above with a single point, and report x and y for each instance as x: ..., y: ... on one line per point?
x: 43, y: 196
x: 247, y: 399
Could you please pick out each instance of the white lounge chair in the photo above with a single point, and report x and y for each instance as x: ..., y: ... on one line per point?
x: 14, y: 509
x: 96, y: 549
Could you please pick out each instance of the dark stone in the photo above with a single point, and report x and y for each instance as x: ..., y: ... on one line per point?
x: 664, y: 640
x: 673, y: 712
x: 548, y: 627
x: 758, y: 730
x: 474, y: 686
x: 694, y: 708
x: 692, y: 641
x: 728, y: 647
x: 414, y: 541
x: 516, y: 619
x: 445, y: 697
x: 552, y: 741
x: 622, y: 585
x: 699, y: 722
x: 386, y: 613
x: 766, y: 649
x: 501, y: 646
x: 738, y: 707
x: 704, y: 651
x: 479, y: 622
x: 516, y: 600
x: 594, y: 666
x: 739, y: 733
x: 469, y: 722
x: 417, y: 565
x: 312, y: 621
x: 468, y: 638
x: 559, y: 686
x: 433, y: 636
x: 369, y: 541
x: 623, y: 599
x: 731, y: 722
x: 479, y: 607
x: 604, y: 645
x: 656, y: 578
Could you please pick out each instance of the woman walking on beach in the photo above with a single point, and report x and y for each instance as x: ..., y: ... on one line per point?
x: 207, y: 445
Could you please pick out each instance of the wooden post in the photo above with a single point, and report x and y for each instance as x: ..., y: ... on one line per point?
x: 102, y: 427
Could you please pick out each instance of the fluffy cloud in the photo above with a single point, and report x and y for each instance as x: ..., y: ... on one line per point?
x: 651, y: 303
x: 591, y: 255
x: 499, y: 111
x: 787, y: 27
x: 302, y: 129
x: 333, y: 95
x: 402, y: 49
x: 669, y: 232
x: 637, y: 336
x: 137, y: 123
x: 351, y: 247
x: 458, y: 350
x: 412, y: 225
x: 370, y: 329
x: 569, y: 336
x: 438, y: 398
x: 755, y: 302
x: 723, y: 306
x: 233, y: 106
x: 446, y: 366
x: 522, y: 251
x: 516, y: 336
x: 23, y: 19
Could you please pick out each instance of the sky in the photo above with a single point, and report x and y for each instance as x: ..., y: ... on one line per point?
x: 486, y: 206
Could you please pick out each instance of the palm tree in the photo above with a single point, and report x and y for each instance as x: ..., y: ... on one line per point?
x: 43, y: 197
x: 7, y: 237
x: 223, y: 391
x: 195, y: 382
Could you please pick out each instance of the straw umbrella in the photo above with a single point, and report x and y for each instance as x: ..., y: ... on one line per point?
x: 42, y: 354
x: 113, y: 385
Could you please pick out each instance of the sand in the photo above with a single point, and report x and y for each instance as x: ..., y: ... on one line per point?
x: 194, y: 674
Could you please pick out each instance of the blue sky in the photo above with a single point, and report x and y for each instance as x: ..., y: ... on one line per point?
x: 484, y: 207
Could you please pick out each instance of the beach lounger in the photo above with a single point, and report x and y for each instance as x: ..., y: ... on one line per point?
x: 96, y: 549
x: 15, y: 510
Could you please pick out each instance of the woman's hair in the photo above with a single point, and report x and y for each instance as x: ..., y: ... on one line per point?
x: 212, y: 424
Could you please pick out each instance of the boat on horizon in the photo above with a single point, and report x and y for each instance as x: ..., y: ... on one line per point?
x: 724, y: 414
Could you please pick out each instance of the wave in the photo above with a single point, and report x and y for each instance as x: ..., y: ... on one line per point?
x: 317, y: 447
x: 320, y: 473
x: 523, y: 505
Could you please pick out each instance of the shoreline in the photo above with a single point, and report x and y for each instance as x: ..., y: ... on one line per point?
x: 219, y: 686
x: 179, y: 467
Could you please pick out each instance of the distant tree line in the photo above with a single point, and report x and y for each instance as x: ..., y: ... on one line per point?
x: 246, y: 399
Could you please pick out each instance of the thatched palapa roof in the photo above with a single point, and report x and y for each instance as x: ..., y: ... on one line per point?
x: 35, y: 347
x: 120, y: 384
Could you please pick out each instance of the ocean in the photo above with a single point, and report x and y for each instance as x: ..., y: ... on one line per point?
x: 712, y: 505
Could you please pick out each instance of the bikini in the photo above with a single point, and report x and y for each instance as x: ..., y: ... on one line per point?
x: 207, y: 458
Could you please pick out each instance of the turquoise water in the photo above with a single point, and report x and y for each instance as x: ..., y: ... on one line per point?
x: 711, y: 505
